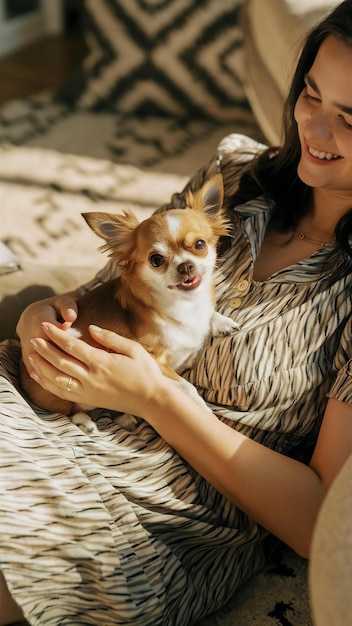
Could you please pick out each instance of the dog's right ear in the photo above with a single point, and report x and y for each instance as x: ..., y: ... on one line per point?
x: 209, y: 198
x: 117, y: 230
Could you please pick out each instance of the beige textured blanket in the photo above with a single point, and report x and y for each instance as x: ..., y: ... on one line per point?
x: 43, y: 193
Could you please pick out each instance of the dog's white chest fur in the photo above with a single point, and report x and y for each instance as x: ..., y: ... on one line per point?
x: 186, y: 338
x: 192, y: 322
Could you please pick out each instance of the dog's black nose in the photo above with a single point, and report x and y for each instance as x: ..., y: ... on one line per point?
x: 185, y: 268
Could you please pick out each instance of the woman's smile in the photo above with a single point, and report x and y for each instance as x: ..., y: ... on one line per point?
x: 322, y: 156
x: 318, y: 157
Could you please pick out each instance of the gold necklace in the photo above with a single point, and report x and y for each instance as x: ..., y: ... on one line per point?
x: 302, y: 237
x: 322, y: 244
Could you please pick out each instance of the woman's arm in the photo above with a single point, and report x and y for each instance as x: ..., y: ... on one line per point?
x: 281, y: 494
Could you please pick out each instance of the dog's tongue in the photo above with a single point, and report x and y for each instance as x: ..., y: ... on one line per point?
x: 190, y: 283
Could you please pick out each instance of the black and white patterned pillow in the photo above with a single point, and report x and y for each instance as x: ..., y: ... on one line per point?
x: 179, y: 58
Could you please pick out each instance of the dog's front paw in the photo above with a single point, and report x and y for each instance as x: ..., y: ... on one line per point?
x: 84, y: 422
x: 222, y: 325
x: 129, y: 422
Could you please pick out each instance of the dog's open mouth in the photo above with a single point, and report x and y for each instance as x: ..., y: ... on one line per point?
x: 190, y: 283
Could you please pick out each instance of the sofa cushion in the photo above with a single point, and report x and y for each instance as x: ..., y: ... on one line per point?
x: 180, y: 59
x: 330, y: 568
x: 274, y: 31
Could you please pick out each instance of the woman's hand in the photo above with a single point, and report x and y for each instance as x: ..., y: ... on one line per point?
x: 59, y: 310
x: 123, y: 377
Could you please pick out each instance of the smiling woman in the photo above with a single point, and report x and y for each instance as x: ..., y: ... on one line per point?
x: 160, y: 525
x: 323, y: 114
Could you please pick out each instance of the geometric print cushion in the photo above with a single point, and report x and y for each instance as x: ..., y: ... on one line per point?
x: 175, y: 58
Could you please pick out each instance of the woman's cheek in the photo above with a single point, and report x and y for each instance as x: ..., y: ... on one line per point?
x: 301, y: 110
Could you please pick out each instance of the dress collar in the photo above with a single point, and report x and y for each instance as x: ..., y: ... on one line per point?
x: 254, y: 217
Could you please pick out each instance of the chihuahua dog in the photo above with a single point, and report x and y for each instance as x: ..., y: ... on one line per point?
x: 164, y: 294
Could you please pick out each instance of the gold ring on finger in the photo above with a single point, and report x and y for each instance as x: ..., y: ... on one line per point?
x: 69, y: 384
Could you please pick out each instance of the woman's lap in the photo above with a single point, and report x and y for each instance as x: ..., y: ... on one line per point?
x: 110, y: 528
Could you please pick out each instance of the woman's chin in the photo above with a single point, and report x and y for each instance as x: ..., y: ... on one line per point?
x: 310, y: 177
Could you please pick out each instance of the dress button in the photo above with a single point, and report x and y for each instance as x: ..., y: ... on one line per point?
x: 235, y: 303
x: 242, y: 285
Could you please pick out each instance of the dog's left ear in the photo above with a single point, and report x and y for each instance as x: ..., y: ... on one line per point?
x: 117, y: 230
x: 208, y: 198
x: 109, y: 226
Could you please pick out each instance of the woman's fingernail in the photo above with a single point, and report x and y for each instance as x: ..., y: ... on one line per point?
x: 96, y: 329
x: 31, y: 360
x: 34, y: 376
x: 34, y: 343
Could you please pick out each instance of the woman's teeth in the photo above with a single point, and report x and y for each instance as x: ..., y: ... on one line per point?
x: 323, y: 155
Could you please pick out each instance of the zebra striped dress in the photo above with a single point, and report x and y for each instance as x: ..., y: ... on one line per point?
x: 115, y: 528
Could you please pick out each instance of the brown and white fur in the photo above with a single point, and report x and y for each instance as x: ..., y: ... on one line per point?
x: 163, y: 296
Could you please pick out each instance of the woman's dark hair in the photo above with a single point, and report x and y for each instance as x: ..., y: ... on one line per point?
x: 275, y: 170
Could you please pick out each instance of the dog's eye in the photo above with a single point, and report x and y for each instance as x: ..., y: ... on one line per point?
x: 200, y: 244
x: 156, y: 260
